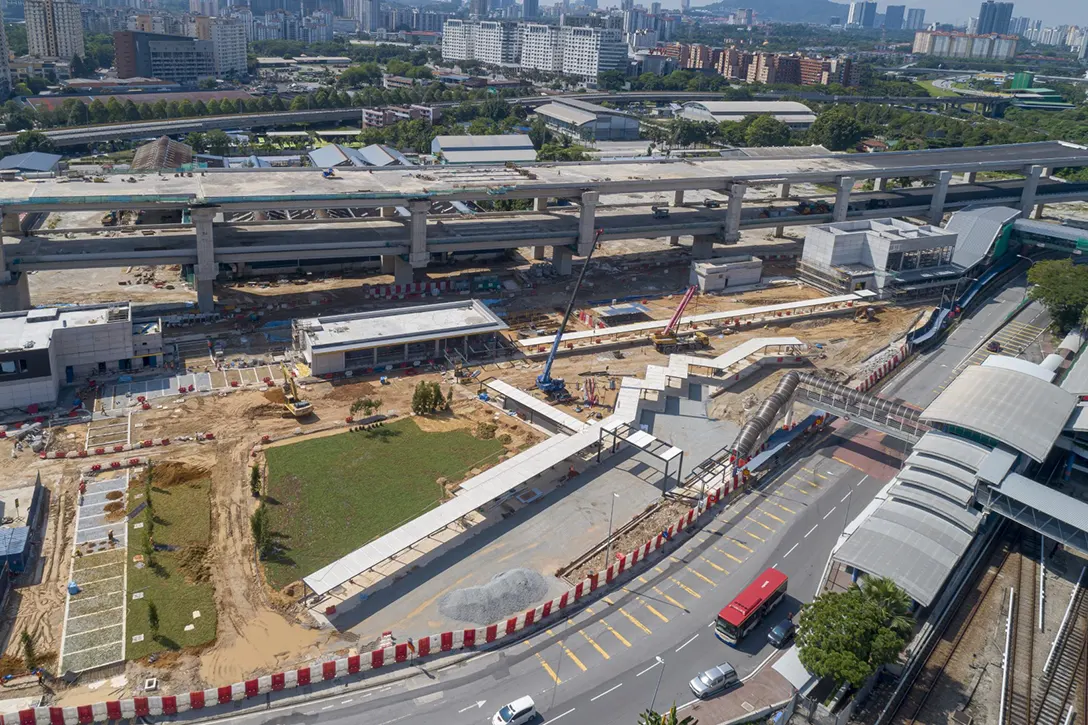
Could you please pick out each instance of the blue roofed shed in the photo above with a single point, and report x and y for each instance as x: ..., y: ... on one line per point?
x: 37, y: 161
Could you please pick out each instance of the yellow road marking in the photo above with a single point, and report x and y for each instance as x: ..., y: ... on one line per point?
x: 656, y: 613
x: 708, y: 561
x: 768, y: 513
x: 813, y: 484
x: 669, y: 599
x: 784, y: 508
x: 595, y: 646
x: 548, y: 669
x: 757, y: 521
x: 703, y: 577
x: 848, y: 463
x: 573, y: 657
x: 795, y: 488
x: 754, y: 536
x: 686, y: 588
x: 730, y: 555
x: 806, y: 469
x: 619, y: 636
x: 820, y: 475
x: 635, y: 622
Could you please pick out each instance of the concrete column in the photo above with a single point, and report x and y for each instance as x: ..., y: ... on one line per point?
x: 388, y: 212
x: 880, y: 184
x: 540, y: 203
x: 842, y: 199
x: 389, y: 263
x: 206, y: 267
x: 418, y: 256
x: 702, y: 246
x: 561, y: 260
x: 538, y: 253
x: 1039, y: 211
x: 402, y: 271
x: 732, y: 214
x: 780, y: 231
x: 678, y: 197
x: 10, y: 224
x: 970, y: 177
x: 437, y: 343
x: 784, y: 190
x: 587, y: 222
x: 940, y: 192
x: 1031, y: 185
x: 14, y: 292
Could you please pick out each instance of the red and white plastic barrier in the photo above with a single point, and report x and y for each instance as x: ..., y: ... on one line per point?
x: 118, y: 448
x: 386, y: 291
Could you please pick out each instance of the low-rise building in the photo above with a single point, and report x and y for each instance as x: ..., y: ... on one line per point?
x: 795, y: 115
x: 383, y: 339
x: 37, y: 162
x: 22, y: 511
x: 513, y: 147
x: 45, y: 348
x: 588, y: 121
x: 724, y: 273
x: 879, y: 255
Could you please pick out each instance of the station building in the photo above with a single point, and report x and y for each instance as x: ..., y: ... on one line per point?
x: 589, y: 122
x: 455, y: 332
x: 45, y: 348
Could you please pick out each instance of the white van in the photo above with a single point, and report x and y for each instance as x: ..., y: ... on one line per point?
x: 518, y: 712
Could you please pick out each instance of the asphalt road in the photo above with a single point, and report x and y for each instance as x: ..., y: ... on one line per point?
x: 601, y: 665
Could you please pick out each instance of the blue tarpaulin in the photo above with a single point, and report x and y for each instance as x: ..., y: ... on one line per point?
x: 15, y: 547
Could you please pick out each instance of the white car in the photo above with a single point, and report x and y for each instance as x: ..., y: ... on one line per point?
x: 518, y: 712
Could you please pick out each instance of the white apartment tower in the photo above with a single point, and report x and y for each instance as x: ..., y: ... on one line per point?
x: 458, y: 38
x: 368, y: 15
x: 496, y: 42
x: 5, y: 68
x: 540, y: 48
x: 54, y: 29
x: 588, y: 52
x: 229, y: 46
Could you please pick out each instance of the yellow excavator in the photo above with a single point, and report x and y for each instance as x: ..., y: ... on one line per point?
x: 293, y: 403
x: 672, y: 339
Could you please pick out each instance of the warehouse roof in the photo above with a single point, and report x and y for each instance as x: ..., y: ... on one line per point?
x: 1018, y: 409
x: 399, y: 326
x: 484, y: 149
x: 31, y: 161
x: 567, y: 114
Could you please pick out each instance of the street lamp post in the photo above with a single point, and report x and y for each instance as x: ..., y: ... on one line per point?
x: 608, y: 546
x: 653, y: 700
x: 558, y: 665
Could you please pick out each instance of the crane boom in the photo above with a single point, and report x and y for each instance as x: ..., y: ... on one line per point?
x: 545, y: 381
x: 675, y: 320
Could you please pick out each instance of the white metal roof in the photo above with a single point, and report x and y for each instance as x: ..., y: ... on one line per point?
x: 398, y: 326
x: 537, y: 406
x: 1015, y: 408
x: 1019, y: 365
x: 489, y: 156
x: 1046, y: 500
x: 567, y: 114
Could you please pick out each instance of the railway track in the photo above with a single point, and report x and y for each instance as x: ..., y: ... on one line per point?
x: 1018, y: 698
x: 912, y: 709
x: 1065, y: 689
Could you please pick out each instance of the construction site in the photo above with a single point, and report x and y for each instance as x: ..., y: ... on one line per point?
x: 331, y: 463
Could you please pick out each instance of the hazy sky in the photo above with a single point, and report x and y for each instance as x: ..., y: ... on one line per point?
x: 1051, y: 12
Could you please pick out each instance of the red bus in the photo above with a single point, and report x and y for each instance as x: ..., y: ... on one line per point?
x: 742, y: 614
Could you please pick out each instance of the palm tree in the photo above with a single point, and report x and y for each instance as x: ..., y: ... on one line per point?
x: 670, y: 718
x: 892, y: 600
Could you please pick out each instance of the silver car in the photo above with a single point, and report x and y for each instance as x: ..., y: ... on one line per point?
x: 714, y: 680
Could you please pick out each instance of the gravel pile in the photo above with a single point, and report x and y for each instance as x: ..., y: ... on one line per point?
x: 507, y: 593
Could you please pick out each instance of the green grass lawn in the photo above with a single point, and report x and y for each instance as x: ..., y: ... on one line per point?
x: 179, y: 583
x: 329, y: 496
x: 935, y: 91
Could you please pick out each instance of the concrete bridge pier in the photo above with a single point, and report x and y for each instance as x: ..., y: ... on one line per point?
x: 784, y: 190
x: 540, y: 204
x: 418, y: 255
x: 206, y: 267
x: 880, y: 184
x: 677, y: 200
x: 587, y: 223
x: 10, y: 224
x: 940, y: 191
x: 403, y: 272
x: 561, y: 260
x: 842, y: 199
x: 14, y: 287
x: 389, y: 263
x: 732, y: 216
x: 702, y: 246
x: 1031, y: 186
x: 970, y: 177
x: 388, y: 212
x: 540, y: 253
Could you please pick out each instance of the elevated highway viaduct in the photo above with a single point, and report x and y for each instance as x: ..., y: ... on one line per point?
x: 405, y: 233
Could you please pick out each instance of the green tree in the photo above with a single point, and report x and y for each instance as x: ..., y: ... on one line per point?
x: 1062, y: 287
x: 650, y: 717
x: 31, y: 141
x: 198, y: 141
x: 153, y: 620
x: 30, y: 651
x: 427, y: 398
x: 767, y: 131
x: 836, y: 129
x: 893, y: 602
x: 206, y: 84
x: 98, y: 111
x: 255, y: 480
x: 262, y: 532
x: 219, y: 143
x: 844, y: 636
x: 147, y: 547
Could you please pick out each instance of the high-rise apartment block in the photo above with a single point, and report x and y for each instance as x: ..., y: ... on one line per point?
x: 228, y: 38
x: 368, y: 15
x: 5, y: 68
x: 994, y: 17
x: 862, y: 14
x: 758, y: 67
x: 964, y: 45
x: 496, y: 42
x: 530, y: 9
x: 916, y: 18
x: 54, y: 29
